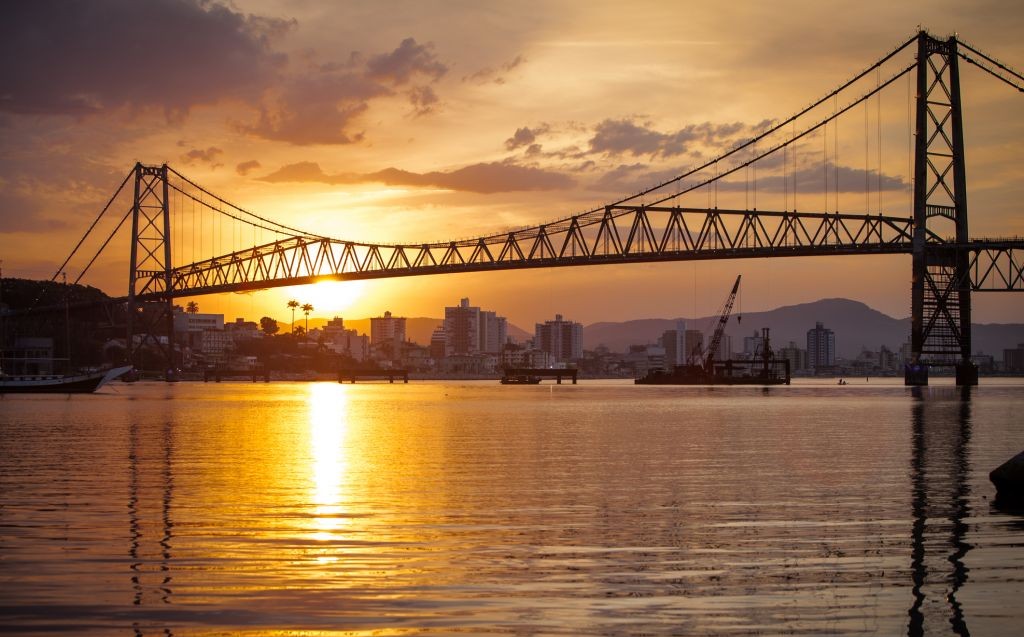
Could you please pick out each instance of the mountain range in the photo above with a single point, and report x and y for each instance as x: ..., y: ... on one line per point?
x: 856, y: 327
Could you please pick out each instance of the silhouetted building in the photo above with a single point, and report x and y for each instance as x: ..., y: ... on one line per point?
x: 674, y: 342
x: 462, y: 329
x: 340, y: 340
x: 821, y: 347
x: 796, y: 356
x: 493, y: 332
x: 1013, y: 360
x: 752, y: 345
x: 563, y: 340
x: 438, y: 343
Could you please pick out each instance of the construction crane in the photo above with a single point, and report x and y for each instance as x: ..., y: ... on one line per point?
x: 723, y: 318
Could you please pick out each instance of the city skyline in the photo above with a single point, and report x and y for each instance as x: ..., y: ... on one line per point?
x: 401, y: 128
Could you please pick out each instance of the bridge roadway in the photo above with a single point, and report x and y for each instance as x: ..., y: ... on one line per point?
x: 621, y: 234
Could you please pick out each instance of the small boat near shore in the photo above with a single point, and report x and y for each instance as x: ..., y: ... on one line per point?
x: 59, y: 384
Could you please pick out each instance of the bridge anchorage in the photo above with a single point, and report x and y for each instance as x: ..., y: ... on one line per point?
x: 650, y: 226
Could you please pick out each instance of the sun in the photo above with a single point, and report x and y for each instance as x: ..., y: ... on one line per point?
x: 330, y: 297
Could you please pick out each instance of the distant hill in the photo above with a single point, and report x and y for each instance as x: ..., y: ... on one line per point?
x: 856, y: 326
x: 21, y: 294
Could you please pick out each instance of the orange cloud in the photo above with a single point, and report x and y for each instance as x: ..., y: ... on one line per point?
x: 491, y: 177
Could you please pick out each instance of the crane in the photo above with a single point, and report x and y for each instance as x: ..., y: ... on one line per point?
x: 723, y: 318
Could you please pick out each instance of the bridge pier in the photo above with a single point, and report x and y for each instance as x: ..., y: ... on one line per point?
x: 915, y: 375
x: 966, y: 373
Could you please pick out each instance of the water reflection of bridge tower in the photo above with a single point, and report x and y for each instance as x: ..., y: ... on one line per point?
x: 940, y: 465
x: 150, y: 497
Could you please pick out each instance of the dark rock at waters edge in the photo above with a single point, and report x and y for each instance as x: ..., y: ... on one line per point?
x: 1009, y: 479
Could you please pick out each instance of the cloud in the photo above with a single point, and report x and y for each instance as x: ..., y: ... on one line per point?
x: 488, y: 178
x: 490, y: 75
x: 201, y: 156
x: 423, y: 99
x: 408, y: 60
x: 81, y: 58
x: 20, y: 212
x: 626, y: 178
x: 525, y: 136
x: 323, y: 105
x: 812, y: 180
x: 320, y: 107
x: 247, y: 167
x: 625, y: 136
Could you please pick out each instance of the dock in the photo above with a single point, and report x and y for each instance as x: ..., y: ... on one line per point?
x: 351, y: 375
x: 557, y: 374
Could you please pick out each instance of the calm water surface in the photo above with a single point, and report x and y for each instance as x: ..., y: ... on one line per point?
x: 473, y: 508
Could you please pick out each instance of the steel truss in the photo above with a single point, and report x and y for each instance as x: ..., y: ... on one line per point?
x: 150, y: 313
x: 621, y: 234
x: 997, y: 266
x: 941, y: 283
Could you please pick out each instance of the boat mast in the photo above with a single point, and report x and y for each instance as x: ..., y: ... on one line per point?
x: 67, y: 322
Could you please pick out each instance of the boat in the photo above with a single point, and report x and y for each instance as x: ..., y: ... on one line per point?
x: 763, y: 369
x: 520, y: 379
x: 728, y: 372
x: 59, y: 384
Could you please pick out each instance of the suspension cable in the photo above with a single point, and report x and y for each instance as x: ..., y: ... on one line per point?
x: 797, y: 136
x: 240, y: 209
x: 203, y: 204
x: 87, y: 232
x: 109, y: 237
x: 989, y: 59
x: 769, y: 131
x: 991, y: 72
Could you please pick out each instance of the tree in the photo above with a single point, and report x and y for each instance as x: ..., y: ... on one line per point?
x: 293, y: 304
x: 192, y: 307
x: 269, y: 326
x: 306, y: 309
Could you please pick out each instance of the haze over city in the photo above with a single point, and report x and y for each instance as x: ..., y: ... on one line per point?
x: 411, y: 122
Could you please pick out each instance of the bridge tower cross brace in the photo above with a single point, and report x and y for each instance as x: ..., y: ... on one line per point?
x: 150, y: 266
x: 941, y: 284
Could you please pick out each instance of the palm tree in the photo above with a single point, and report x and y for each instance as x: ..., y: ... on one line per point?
x: 293, y: 304
x: 192, y: 307
x: 306, y: 309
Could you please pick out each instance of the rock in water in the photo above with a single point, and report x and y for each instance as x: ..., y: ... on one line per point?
x: 1009, y: 478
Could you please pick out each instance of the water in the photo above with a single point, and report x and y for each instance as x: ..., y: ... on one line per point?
x: 472, y: 508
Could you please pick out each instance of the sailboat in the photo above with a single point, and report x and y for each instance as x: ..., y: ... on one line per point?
x: 36, y: 383
x: 54, y: 384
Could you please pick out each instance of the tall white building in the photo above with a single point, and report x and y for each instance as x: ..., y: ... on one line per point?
x: 674, y: 342
x: 493, y: 332
x: 470, y: 330
x: 387, y: 329
x: 563, y: 340
x: 821, y: 347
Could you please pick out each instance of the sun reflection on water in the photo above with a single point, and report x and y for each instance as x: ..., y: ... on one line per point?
x: 328, y: 424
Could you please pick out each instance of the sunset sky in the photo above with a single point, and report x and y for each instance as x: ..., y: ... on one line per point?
x: 427, y: 121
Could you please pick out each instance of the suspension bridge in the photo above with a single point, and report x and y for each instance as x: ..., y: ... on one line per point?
x: 174, y: 255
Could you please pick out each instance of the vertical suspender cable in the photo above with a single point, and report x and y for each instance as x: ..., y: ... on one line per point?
x: 878, y: 125
x: 867, y: 153
x: 835, y: 158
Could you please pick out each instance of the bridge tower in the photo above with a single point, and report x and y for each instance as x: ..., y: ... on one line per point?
x: 940, y: 333
x: 150, y: 266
